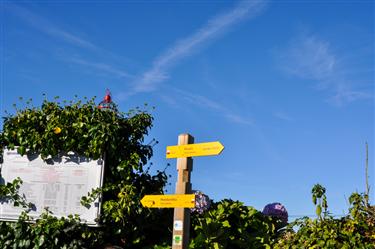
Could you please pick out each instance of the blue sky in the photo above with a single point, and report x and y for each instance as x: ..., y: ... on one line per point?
x: 286, y: 86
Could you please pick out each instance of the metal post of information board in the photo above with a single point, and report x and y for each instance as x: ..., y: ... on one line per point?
x: 181, y: 220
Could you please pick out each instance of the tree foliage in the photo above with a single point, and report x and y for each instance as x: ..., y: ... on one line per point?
x: 355, y: 230
x: 56, y: 128
x: 231, y: 224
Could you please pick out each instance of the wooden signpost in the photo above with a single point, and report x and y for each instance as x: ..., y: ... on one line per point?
x: 183, y: 199
x: 181, y: 217
x: 183, y: 152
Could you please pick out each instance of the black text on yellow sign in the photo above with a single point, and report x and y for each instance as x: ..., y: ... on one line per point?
x: 169, y: 201
x: 192, y: 150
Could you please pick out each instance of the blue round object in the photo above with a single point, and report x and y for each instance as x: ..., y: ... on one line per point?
x: 277, y: 210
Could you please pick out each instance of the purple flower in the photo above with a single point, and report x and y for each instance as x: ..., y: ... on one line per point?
x: 276, y: 210
x: 202, y: 202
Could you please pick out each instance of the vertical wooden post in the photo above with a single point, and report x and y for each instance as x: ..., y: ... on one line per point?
x: 181, y: 220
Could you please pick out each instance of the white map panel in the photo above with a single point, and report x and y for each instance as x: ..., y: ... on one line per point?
x: 57, y: 183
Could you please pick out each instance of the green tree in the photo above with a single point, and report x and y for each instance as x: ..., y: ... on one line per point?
x: 56, y: 128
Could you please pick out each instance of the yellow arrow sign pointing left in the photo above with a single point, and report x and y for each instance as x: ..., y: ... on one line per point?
x: 168, y: 201
x: 190, y: 150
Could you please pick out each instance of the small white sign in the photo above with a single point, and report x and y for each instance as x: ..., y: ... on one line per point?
x: 177, y: 225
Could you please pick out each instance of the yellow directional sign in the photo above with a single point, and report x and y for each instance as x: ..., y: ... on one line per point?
x: 168, y: 201
x: 190, y: 150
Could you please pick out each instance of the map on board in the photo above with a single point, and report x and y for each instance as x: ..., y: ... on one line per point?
x: 57, y: 183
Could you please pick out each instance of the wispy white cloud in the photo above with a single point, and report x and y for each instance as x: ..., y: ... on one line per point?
x: 282, y: 115
x: 47, y: 27
x: 198, y: 100
x: 345, y: 95
x: 159, y: 72
x: 102, y: 67
x: 312, y: 58
x: 203, y: 102
x: 238, y: 119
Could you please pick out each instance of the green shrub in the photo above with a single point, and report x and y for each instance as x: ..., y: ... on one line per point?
x: 230, y: 224
x: 356, y: 230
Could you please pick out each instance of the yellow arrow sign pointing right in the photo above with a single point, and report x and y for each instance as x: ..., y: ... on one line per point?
x: 190, y: 150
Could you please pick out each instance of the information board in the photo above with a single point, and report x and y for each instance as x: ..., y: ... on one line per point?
x: 57, y: 183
